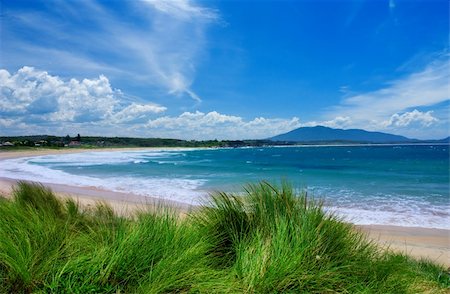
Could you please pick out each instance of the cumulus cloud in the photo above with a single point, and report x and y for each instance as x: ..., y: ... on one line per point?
x: 402, y: 120
x: 35, y: 101
x: 134, y: 112
x: 10, y: 123
x: 35, y: 95
x: 211, y: 125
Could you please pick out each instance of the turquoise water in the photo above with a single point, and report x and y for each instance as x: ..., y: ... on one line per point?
x: 403, y: 185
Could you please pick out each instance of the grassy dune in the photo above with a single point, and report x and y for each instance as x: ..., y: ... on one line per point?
x: 271, y: 241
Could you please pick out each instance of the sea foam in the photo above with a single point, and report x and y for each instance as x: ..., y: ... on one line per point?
x: 388, y: 209
x: 46, y: 169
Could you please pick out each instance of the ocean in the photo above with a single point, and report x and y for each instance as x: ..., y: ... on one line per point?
x: 387, y: 185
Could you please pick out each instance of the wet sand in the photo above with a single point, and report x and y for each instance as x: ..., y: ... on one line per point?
x: 432, y: 244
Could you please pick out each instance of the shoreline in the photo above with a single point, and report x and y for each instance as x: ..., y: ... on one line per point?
x: 10, y: 154
x: 430, y: 243
x: 122, y: 203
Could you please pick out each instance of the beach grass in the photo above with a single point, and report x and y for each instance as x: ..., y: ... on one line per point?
x: 271, y: 240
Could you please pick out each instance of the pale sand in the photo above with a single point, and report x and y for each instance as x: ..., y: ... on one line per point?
x: 122, y: 203
x: 42, y: 151
x: 432, y: 244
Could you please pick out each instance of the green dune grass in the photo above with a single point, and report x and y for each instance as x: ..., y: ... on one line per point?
x: 269, y: 241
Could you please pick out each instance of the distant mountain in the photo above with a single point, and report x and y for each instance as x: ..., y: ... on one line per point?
x: 325, y: 134
x: 445, y: 140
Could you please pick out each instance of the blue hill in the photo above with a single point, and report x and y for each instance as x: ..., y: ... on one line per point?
x: 325, y: 134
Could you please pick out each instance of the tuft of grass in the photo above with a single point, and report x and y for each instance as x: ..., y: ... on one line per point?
x: 270, y: 240
x: 32, y: 237
x: 36, y: 196
x: 275, y: 241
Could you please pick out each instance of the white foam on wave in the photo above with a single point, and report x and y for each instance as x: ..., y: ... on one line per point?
x: 362, y: 216
x: 35, y: 169
x: 382, y: 209
x: 100, y: 158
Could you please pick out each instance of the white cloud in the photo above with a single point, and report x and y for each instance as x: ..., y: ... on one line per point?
x: 421, y: 89
x: 159, y: 48
x: 136, y: 111
x: 10, y: 123
x: 211, y: 125
x: 38, y: 102
x: 34, y: 95
x: 402, y: 120
x: 193, y: 120
x: 183, y: 9
x: 391, y: 4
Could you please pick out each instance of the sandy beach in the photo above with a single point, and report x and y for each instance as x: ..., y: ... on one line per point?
x: 122, y: 203
x: 433, y: 244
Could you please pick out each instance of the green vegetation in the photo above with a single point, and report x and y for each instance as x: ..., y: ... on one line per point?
x: 45, y: 141
x: 270, y: 241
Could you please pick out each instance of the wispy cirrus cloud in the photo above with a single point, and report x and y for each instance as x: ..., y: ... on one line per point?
x: 152, y: 43
x: 400, y: 102
x: 183, y: 9
x: 392, y: 5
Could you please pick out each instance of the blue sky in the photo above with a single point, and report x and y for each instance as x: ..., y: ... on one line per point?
x: 223, y: 69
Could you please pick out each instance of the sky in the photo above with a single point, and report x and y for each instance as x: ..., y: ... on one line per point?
x: 230, y: 69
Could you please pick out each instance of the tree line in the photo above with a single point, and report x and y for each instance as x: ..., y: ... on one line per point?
x: 99, y: 141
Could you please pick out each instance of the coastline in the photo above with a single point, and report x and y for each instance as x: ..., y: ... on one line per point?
x: 9, y: 154
x: 122, y: 203
x: 433, y: 244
